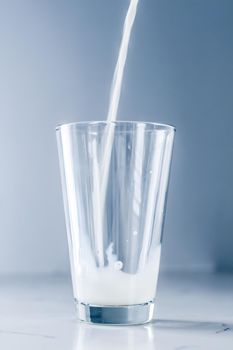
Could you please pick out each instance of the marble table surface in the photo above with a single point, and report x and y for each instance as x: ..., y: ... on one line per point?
x: 194, y: 311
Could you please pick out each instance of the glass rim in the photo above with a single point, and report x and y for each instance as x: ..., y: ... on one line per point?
x: 164, y: 127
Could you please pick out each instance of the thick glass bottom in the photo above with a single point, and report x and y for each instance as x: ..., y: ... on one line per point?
x: 115, y: 315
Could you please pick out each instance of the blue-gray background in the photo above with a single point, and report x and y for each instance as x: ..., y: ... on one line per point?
x: 56, y: 64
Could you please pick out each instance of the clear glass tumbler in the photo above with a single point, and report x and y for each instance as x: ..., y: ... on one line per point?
x: 115, y: 179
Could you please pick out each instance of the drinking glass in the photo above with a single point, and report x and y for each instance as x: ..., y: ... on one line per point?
x: 115, y: 178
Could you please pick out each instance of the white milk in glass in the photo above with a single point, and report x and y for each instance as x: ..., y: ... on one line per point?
x: 111, y: 286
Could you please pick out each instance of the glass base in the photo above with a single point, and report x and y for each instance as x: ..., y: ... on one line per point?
x: 115, y: 315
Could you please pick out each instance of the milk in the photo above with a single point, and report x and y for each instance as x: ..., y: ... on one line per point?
x: 120, y: 65
x: 101, y: 284
x: 111, y: 286
x: 102, y: 171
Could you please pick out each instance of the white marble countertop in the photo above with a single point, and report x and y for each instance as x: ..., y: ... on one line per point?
x: 194, y: 312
